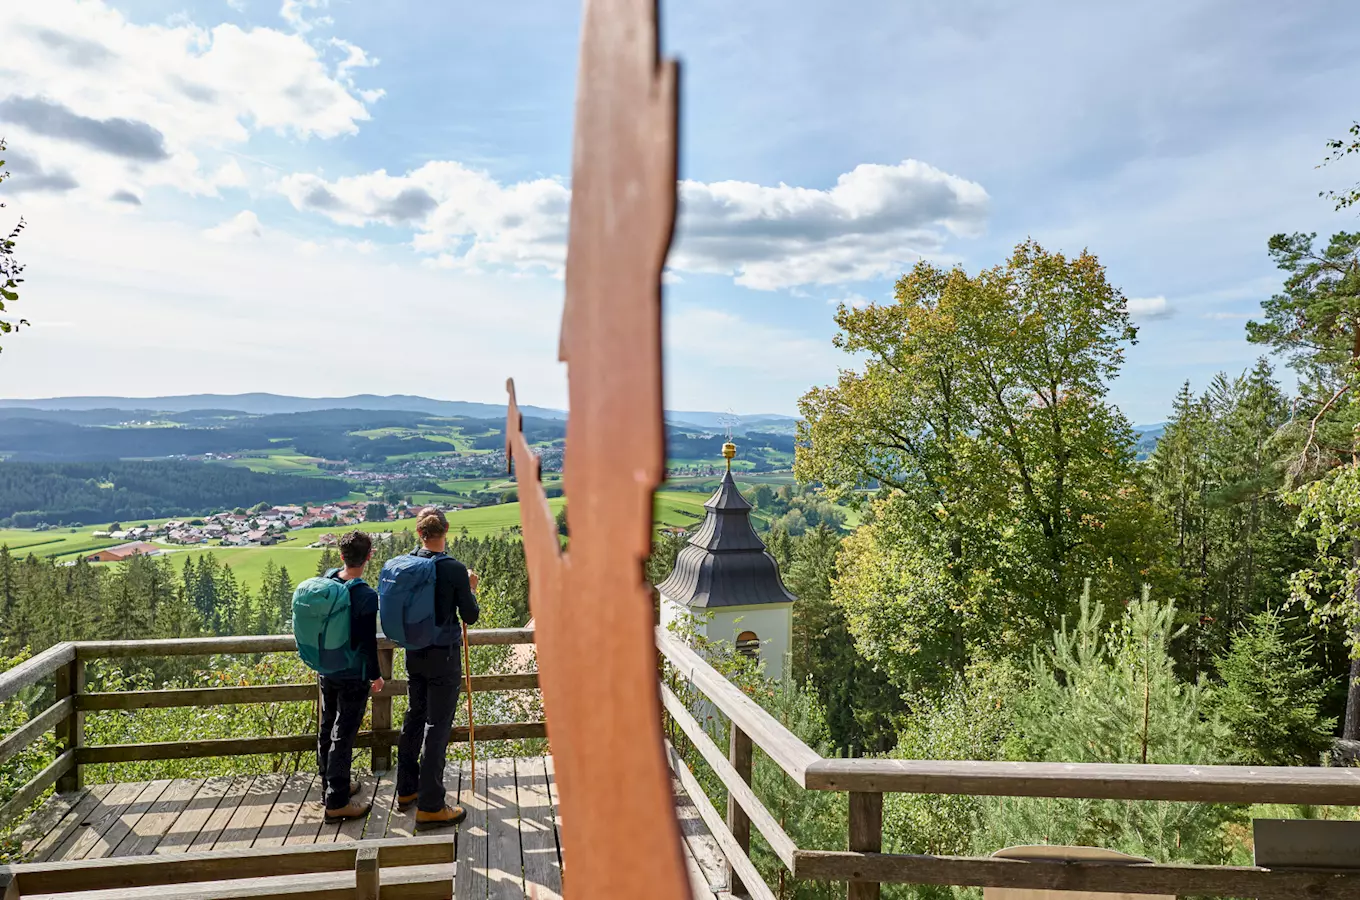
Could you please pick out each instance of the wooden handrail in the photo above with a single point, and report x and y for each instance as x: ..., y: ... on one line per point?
x: 782, y: 845
x: 1103, y: 781
x: 270, y: 693
x: 257, y: 643
x: 780, y: 744
x: 223, y: 865
x: 29, y: 731
x: 29, y: 673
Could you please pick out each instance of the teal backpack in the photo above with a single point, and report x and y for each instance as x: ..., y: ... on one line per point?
x: 321, y: 626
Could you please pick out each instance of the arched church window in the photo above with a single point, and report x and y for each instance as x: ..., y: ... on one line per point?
x: 748, y: 644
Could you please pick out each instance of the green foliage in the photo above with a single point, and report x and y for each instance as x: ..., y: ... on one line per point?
x: 1342, y: 147
x: 982, y: 409
x: 10, y: 268
x: 1216, y: 475
x: 859, y: 699
x: 1112, y: 695
x: 1271, y: 697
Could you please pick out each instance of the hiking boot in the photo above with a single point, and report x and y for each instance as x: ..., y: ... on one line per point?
x: 406, y: 801
x: 345, y: 813
x: 445, y: 818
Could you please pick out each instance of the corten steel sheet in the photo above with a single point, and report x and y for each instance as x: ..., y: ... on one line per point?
x: 592, y: 610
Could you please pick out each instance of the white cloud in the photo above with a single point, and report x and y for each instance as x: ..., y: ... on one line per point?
x: 1149, y: 309
x: 876, y: 220
x: 722, y: 340
x: 854, y: 301
x: 206, y: 317
x: 244, y: 224
x: 294, y: 13
x: 128, y: 107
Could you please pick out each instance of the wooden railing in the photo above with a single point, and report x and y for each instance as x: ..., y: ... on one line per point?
x: 865, y: 867
x: 65, y: 664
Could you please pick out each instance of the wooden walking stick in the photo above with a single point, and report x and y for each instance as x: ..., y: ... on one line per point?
x: 467, y: 681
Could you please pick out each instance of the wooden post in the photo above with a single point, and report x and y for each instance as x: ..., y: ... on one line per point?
x: 866, y: 836
x: 70, y: 731
x: 367, y: 878
x: 382, y: 714
x: 737, y: 821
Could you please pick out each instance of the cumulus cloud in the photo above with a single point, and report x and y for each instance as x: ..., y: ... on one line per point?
x: 242, y: 226
x: 127, y: 197
x: 31, y: 177
x: 872, y: 223
x: 119, y: 137
x: 132, y: 106
x: 1149, y: 309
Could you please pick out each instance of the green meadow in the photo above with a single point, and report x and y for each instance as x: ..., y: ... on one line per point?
x: 683, y: 509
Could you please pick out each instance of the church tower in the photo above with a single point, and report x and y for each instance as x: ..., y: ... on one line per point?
x: 729, y: 584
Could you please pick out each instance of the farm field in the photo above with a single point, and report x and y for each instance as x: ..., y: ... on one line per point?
x: 673, y: 509
x: 275, y: 462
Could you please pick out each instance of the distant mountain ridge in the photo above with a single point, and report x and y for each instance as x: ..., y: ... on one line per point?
x: 272, y: 404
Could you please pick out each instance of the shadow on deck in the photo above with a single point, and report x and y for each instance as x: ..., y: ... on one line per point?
x: 509, y: 846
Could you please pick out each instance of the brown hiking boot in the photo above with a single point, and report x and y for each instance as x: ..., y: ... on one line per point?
x: 345, y: 813
x: 406, y: 801
x: 445, y: 818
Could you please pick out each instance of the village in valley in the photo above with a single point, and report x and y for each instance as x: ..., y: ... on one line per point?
x: 259, y: 527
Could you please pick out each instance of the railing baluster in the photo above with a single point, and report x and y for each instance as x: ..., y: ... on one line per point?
x: 737, y: 821
x: 866, y: 836
x: 382, y: 713
x: 70, y: 732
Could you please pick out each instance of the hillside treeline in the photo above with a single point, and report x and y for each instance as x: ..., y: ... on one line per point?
x: 71, y: 493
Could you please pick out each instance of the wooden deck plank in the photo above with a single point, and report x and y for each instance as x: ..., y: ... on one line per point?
x: 505, y: 859
x: 226, y: 808
x: 216, y: 823
x: 472, y: 882
x: 148, y: 831
x: 537, y: 833
x: 246, y: 821
x: 551, y: 775
x: 353, y: 830
x: 309, y: 818
x: 181, y: 833
x: 698, y: 842
x: 285, y: 811
x: 127, y: 819
x: 384, y: 802
x: 47, y: 817
x: 42, y: 850
x: 97, y: 821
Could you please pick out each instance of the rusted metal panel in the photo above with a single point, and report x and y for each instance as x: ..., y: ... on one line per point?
x: 592, y: 609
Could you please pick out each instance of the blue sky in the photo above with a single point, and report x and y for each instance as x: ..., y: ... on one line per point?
x: 323, y: 198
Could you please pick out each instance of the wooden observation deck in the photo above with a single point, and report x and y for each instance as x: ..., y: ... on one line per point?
x: 261, y: 835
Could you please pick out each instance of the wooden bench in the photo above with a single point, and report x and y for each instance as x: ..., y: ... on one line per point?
x: 393, y: 869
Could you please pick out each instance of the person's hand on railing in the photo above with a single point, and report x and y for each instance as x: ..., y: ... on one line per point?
x: 378, y: 685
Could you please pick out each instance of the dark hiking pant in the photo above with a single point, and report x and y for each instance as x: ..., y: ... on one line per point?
x: 343, y: 701
x: 433, y: 678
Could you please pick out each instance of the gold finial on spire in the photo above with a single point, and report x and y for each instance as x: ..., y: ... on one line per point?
x: 729, y: 451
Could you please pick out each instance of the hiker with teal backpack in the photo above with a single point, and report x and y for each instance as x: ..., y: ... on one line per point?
x: 335, y: 621
x: 424, y: 593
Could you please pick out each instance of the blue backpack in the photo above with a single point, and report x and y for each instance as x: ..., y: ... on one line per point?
x: 321, y: 616
x: 406, y: 601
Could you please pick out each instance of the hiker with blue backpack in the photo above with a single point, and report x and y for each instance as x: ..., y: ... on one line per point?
x: 423, y: 595
x: 335, y: 621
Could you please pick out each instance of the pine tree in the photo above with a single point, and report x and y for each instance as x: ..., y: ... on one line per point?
x: 1271, y: 697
